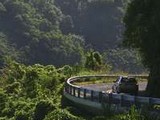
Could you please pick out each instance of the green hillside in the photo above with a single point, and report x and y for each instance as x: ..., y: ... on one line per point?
x: 44, y: 42
x: 60, y: 32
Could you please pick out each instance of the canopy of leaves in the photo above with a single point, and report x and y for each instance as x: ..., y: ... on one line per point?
x: 142, y: 29
x: 143, y: 32
x: 126, y: 60
x: 59, y: 31
x: 99, y: 21
x: 93, y: 60
x: 35, y: 92
x: 7, y: 49
x: 34, y: 27
x: 32, y: 93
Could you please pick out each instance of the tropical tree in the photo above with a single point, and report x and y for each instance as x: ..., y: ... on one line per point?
x: 38, y: 32
x: 93, y: 60
x: 99, y: 21
x: 143, y: 33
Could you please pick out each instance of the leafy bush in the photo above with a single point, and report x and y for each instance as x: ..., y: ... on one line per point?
x: 66, y: 70
x: 61, y: 114
x: 3, y: 100
x: 43, y: 107
x: 21, y: 115
x: 133, y: 114
x: 14, y: 88
x: 126, y: 60
x: 38, y: 37
x: 93, y: 60
x: 30, y: 91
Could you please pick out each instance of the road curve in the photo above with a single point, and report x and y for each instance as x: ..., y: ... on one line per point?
x: 108, y: 86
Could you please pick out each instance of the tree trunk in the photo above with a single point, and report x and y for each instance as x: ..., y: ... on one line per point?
x: 153, y: 86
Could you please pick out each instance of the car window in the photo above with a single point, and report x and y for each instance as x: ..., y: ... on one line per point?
x: 132, y: 80
x: 124, y: 80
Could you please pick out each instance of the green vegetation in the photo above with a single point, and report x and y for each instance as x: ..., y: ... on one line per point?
x: 95, y: 62
x: 43, y: 42
x: 94, y: 81
x: 32, y: 93
x: 35, y: 93
x: 97, y: 20
x: 142, y: 32
x: 34, y: 28
x: 60, y: 32
x: 126, y: 60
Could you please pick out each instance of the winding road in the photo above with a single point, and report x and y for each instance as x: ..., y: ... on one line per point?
x: 91, y: 96
x: 108, y: 86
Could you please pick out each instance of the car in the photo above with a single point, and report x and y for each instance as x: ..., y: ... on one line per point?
x: 125, y: 84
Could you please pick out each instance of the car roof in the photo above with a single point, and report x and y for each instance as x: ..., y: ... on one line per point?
x: 127, y: 77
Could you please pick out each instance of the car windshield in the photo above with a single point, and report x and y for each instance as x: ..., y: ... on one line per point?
x: 129, y: 80
x: 124, y: 80
x: 132, y: 80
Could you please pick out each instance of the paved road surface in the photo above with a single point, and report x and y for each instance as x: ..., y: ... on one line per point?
x: 108, y: 86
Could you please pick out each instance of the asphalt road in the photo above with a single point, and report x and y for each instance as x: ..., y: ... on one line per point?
x: 108, y: 86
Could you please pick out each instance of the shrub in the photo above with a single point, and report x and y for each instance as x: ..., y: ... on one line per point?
x: 93, y: 60
x: 13, y: 88
x: 3, y: 101
x: 43, y: 107
x: 66, y: 70
x: 61, y: 114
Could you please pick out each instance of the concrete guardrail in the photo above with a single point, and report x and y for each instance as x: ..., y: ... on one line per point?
x: 96, y: 99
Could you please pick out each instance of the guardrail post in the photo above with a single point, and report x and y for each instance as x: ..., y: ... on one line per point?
x: 150, y: 101
x: 65, y: 88
x: 100, y: 97
x: 110, y: 98
x: 74, y: 91
x: 150, y: 105
x: 79, y: 92
x: 92, y: 95
x: 135, y: 100
x: 84, y: 94
x: 69, y: 88
x: 122, y: 100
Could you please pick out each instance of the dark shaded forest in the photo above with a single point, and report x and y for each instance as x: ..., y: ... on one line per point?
x: 60, y: 32
x: 44, y: 42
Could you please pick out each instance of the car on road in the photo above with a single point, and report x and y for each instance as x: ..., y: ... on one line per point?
x: 125, y: 84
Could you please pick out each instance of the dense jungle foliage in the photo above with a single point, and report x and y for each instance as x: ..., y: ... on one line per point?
x: 33, y: 28
x: 35, y: 93
x: 142, y: 32
x: 32, y: 92
x: 59, y: 32
x: 39, y: 39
